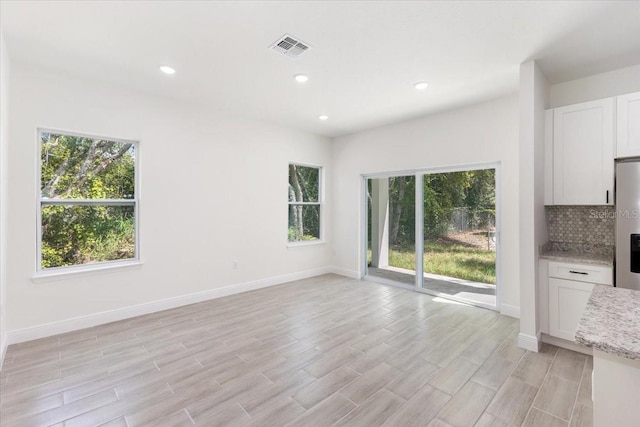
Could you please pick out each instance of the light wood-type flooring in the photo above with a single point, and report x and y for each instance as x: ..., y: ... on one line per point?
x: 317, y: 352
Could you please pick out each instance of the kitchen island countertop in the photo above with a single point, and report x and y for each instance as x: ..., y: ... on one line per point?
x: 611, y: 322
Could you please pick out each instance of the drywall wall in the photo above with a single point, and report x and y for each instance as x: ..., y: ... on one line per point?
x: 534, y: 97
x: 213, y: 190
x: 486, y: 132
x: 612, y: 83
x: 4, y: 135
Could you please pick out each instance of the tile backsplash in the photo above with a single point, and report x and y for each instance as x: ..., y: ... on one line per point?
x: 591, y: 225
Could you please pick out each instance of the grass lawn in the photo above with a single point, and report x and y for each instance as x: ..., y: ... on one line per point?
x: 449, y: 259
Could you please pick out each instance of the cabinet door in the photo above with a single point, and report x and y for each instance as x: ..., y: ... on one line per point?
x: 583, y: 153
x: 628, y: 125
x: 567, y: 301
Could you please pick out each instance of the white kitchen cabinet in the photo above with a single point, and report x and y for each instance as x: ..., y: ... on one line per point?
x: 570, y: 287
x: 582, y: 154
x: 628, y: 125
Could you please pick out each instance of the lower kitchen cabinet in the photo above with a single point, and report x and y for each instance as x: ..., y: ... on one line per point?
x: 567, y: 300
x: 570, y: 287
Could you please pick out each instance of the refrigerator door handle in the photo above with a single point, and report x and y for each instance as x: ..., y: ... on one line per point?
x: 607, y: 196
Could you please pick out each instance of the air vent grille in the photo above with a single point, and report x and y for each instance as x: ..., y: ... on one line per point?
x: 290, y: 46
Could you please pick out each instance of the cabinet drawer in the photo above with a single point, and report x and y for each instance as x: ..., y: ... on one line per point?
x: 582, y: 273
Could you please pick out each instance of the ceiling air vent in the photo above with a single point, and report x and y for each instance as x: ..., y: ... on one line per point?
x: 290, y: 46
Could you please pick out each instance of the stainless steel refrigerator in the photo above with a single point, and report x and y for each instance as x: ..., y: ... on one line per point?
x: 628, y: 224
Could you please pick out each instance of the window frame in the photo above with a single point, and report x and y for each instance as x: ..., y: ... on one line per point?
x: 319, y: 203
x: 41, y: 272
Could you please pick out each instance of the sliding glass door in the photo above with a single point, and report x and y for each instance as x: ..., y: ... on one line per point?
x: 454, y: 214
x: 391, y: 228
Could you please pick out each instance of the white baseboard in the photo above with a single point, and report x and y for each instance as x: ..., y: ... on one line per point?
x: 353, y: 274
x: 569, y: 345
x: 510, y: 310
x: 82, y: 322
x: 3, y: 348
x: 529, y: 342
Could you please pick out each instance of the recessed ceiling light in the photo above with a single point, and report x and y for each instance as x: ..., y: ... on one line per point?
x: 301, y: 78
x: 421, y: 85
x: 323, y: 117
x: 167, y: 70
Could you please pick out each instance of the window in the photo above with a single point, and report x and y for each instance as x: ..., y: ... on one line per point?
x: 88, y: 201
x: 304, y: 203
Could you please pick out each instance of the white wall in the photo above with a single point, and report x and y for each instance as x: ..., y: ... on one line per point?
x: 214, y: 190
x: 486, y: 132
x: 4, y: 134
x: 612, y: 83
x: 534, y: 97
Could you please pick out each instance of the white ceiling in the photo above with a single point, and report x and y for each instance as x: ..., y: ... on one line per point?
x: 364, y: 59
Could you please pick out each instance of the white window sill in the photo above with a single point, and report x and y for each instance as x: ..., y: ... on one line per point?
x: 61, y: 273
x: 305, y: 243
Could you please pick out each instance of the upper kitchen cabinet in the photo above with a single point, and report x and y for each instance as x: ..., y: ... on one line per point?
x: 628, y: 125
x: 579, y: 165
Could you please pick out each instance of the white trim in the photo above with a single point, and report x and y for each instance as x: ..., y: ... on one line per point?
x: 498, y: 234
x: 4, y: 343
x: 60, y: 273
x: 510, y: 310
x: 418, y: 243
x: 569, y: 345
x: 305, y: 243
x: 353, y: 274
x: 81, y: 322
x: 529, y: 342
x: 88, y: 202
x: 364, y: 232
x: 441, y: 169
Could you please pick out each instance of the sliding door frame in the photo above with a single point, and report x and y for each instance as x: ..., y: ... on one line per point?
x: 419, y: 225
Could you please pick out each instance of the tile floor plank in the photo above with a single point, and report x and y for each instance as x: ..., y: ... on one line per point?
x: 537, y: 418
x: 373, y: 412
x: 453, y: 377
x: 369, y: 383
x: 512, y: 402
x: 319, y: 390
x: 582, y: 416
x: 326, y: 413
x: 317, y: 351
x: 467, y: 405
x: 557, y: 397
x: 420, y: 409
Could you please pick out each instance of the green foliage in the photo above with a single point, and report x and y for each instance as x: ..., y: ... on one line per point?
x: 449, y: 259
x: 402, y: 208
x: 304, y: 187
x: 309, y: 180
x: 294, y: 236
x: 473, y: 191
x: 84, y: 168
x: 470, y: 195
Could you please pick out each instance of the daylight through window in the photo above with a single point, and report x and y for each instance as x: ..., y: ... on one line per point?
x: 88, y: 200
x: 304, y: 203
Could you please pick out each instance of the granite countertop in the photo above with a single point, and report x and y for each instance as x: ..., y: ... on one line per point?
x: 577, y: 256
x: 576, y: 252
x: 611, y: 322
